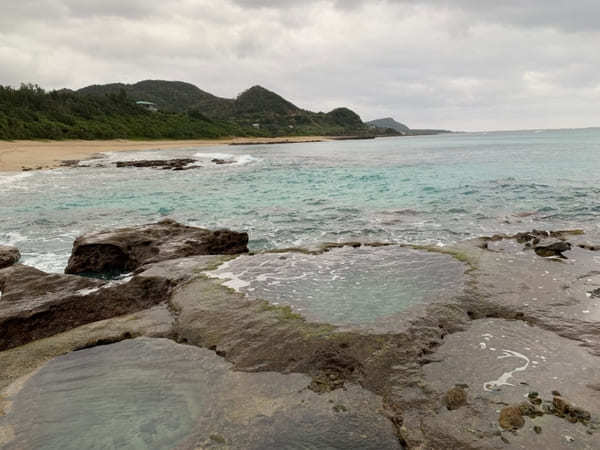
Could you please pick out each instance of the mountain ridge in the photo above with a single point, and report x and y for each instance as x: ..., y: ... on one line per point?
x: 256, y: 107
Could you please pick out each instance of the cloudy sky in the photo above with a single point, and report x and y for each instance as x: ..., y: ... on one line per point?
x: 458, y: 64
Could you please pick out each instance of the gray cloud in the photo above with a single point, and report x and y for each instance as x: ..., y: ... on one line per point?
x: 563, y: 14
x: 462, y: 64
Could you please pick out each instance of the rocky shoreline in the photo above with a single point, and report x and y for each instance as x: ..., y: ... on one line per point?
x: 512, y: 361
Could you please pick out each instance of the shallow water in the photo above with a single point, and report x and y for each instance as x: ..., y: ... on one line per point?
x: 156, y: 394
x: 436, y: 189
x: 346, y: 286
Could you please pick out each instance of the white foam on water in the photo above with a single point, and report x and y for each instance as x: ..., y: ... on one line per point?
x: 245, y: 159
x: 226, y: 156
x: 503, y: 379
x: 230, y: 279
x: 238, y: 160
x: 87, y: 291
x: 46, y: 262
x: 12, y: 238
x: 13, y: 180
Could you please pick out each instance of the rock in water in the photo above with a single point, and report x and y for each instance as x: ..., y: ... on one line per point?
x: 127, y: 249
x: 8, y: 256
x: 219, y: 161
x: 555, y: 249
x: 173, y: 164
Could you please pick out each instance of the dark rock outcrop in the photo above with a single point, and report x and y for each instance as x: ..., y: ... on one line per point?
x: 8, y: 256
x: 167, y: 164
x: 554, y: 249
x: 35, y: 304
x: 511, y: 418
x: 219, y: 161
x: 126, y: 249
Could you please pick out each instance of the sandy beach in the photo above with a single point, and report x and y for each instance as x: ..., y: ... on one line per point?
x: 19, y: 155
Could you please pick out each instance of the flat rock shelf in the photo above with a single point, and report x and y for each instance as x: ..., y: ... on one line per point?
x: 156, y: 394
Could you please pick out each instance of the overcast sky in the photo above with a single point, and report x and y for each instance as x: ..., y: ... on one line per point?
x: 458, y: 64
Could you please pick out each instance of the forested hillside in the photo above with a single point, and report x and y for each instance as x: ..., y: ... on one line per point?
x: 184, y: 112
x: 31, y: 113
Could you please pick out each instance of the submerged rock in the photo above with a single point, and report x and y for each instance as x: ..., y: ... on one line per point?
x: 36, y: 304
x: 156, y: 394
x: 8, y: 256
x: 126, y: 249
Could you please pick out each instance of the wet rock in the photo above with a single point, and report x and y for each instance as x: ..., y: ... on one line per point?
x: 561, y: 406
x: 222, y: 161
x: 522, y: 238
x: 36, y: 304
x: 8, y: 256
x: 511, y: 418
x: 167, y: 164
x: 69, y: 163
x: 126, y: 249
x: 455, y: 398
x: 167, y: 395
x: 555, y: 249
x: 529, y: 410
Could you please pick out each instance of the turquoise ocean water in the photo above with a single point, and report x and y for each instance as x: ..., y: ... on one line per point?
x: 435, y: 189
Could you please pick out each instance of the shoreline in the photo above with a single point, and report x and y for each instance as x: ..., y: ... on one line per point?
x: 16, y: 156
x: 488, y: 355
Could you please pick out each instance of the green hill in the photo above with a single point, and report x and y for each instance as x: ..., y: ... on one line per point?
x: 32, y: 113
x: 169, y: 96
x: 258, y: 100
x: 388, y: 122
x: 257, y: 109
x: 184, y: 112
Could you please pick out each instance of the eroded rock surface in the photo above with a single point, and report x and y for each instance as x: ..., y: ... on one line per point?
x: 8, y: 256
x: 126, y: 249
x: 35, y: 304
x: 521, y: 334
x: 156, y: 394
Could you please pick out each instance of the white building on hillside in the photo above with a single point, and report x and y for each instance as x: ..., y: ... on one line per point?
x: 147, y: 105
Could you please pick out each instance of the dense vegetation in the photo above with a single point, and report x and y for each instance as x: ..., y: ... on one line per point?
x: 169, y: 96
x: 31, y: 113
x: 388, y: 122
x: 185, y: 112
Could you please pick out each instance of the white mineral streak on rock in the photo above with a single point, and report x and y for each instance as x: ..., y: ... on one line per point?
x: 503, y: 379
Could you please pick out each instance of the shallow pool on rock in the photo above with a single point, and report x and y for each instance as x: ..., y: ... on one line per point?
x: 347, y: 285
x: 156, y: 394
